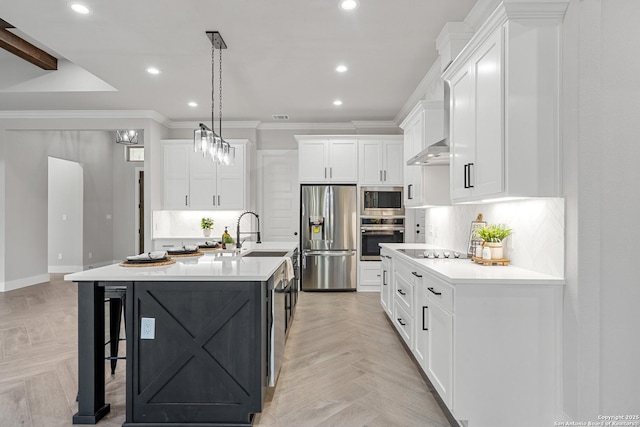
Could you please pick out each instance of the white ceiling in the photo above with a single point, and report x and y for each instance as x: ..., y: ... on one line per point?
x: 281, y: 56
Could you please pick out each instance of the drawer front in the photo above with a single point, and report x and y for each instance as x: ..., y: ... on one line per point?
x: 403, y: 292
x: 403, y: 322
x: 439, y: 293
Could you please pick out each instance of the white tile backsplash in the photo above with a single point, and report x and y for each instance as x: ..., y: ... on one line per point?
x: 537, y: 241
x: 167, y: 224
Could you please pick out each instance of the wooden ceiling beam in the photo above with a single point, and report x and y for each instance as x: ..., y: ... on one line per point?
x: 25, y: 50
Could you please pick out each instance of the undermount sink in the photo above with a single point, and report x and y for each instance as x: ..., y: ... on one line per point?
x: 263, y: 254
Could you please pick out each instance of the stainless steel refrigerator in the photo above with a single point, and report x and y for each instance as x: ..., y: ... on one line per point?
x: 328, y: 236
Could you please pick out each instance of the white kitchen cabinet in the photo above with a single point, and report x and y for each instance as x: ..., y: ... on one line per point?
x: 381, y: 161
x: 192, y: 182
x: 490, y: 348
x: 386, y: 285
x: 369, y: 276
x: 327, y: 159
x: 505, y: 114
x: 438, y: 363
x: 424, y: 185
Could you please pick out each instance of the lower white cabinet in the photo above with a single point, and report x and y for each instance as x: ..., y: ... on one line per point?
x: 369, y: 276
x: 489, y: 348
x: 386, y: 282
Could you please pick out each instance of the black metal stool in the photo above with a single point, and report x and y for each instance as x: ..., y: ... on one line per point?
x: 117, y: 299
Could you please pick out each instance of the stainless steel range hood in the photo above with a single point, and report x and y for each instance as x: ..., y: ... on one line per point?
x: 435, y: 154
x: 438, y: 153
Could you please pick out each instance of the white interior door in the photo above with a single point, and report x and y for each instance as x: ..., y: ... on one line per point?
x: 279, y: 194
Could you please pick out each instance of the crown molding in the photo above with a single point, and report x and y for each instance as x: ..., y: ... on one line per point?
x: 85, y: 114
x: 431, y: 78
x: 307, y: 126
x: 247, y: 124
x: 373, y: 124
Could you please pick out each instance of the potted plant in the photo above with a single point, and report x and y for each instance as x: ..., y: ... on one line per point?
x: 493, y: 235
x: 206, y: 224
x: 228, y: 242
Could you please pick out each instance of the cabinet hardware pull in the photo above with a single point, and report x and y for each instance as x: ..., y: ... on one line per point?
x: 218, y: 200
x: 434, y: 292
x: 325, y: 173
x: 384, y: 277
x: 401, y: 322
x: 416, y: 274
x: 380, y: 175
x: 214, y: 199
x: 330, y: 172
x: 385, y: 176
x: 466, y: 175
x: 424, y: 328
x: 387, y: 256
x: 401, y: 292
x: 470, y: 164
x: 186, y: 198
x: 409, y: 193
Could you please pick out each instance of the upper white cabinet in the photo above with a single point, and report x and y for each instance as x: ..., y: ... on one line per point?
x: 504, y: 122
x: 192, y: 182
x: 381, y: 161
x: 327, y: 159
x: 424, y: 185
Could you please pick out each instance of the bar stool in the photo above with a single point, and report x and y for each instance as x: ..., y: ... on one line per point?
x: 117, y: 299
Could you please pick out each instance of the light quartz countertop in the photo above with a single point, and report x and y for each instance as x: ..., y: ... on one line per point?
x: 465, y: 271
x: 212, y: 266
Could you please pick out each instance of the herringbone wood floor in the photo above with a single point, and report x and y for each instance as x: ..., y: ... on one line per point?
x: 344, y: 366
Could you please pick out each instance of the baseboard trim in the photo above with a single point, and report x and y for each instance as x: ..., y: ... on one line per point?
x: 64, y: 268
x: 12, y: 285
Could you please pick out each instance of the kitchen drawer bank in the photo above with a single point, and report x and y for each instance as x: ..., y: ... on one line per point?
x: 487, y: 338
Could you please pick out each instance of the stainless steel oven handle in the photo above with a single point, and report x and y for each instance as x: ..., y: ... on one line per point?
x: 382, y: 228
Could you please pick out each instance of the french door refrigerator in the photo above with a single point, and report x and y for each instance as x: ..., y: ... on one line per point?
x: 328, y: 236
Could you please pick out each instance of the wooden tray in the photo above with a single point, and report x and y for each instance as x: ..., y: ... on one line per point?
x: 501, y: 261
x: 148, y: 264
x: 207, y: 248
x: 193, y: 254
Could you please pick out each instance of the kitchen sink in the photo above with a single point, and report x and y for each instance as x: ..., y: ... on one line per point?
x: 276, y: 254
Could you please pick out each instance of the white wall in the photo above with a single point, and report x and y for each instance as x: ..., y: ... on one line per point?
x: 65, y: 215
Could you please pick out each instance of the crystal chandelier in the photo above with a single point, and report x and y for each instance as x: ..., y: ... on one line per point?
x: 205, y: 139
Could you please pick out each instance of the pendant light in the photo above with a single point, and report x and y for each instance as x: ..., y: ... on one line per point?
x: 205, y: 139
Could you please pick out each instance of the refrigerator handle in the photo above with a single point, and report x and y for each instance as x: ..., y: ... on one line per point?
x: 328, y: 253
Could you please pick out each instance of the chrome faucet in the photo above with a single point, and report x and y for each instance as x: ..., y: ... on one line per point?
x: 257, y: 233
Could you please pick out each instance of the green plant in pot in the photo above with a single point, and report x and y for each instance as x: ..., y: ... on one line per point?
x: 493, y: 235
x: 206, y: 224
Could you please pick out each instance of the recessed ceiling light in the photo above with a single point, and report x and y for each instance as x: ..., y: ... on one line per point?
x: 337, y: 102
x: 153, y: 70
x: 341, y: 68
x: 193, y: 104
x: 349, y: 4
x: 80, y: 8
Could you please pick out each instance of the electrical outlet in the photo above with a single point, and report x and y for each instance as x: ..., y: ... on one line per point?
x: 147, y: 328
x: 60, y: 255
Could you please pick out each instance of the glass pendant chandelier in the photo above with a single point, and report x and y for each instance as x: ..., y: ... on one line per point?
x: 205, y: 139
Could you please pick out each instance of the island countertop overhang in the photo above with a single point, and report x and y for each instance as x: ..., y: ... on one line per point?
x: 208, y: 267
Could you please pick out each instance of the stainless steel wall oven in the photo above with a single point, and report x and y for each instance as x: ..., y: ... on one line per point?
x: 379, y: 230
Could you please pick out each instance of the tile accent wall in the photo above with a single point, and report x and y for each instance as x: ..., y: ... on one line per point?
x: 537, y: 241
x: 167, y: 224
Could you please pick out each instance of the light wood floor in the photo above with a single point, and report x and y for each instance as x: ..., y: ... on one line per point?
x: 344, y: 366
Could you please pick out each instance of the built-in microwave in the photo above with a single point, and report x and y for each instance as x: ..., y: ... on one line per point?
x: 381, y: 201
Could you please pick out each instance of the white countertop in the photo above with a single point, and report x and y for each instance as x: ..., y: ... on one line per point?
x: 212, y: 266
x: 465, y: 271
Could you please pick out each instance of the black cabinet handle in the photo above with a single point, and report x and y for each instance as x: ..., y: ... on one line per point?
x: 387, y: 257
x: 470, y: 164
x: 186, y: 198
x: 434, y: 292
x: 401, y: 292
x: 416, y: 274
x: 466, y: 175
x: 401, y: 322
x: 424, y: 328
